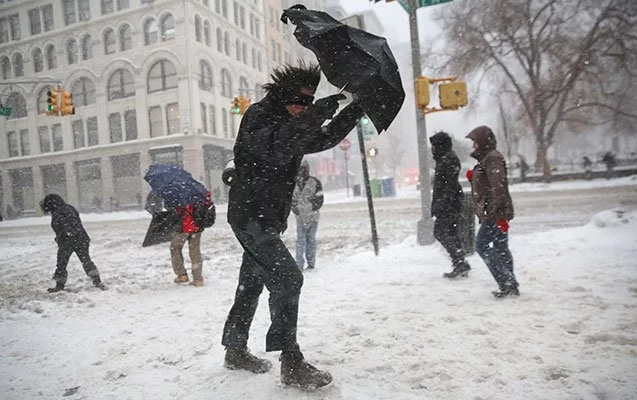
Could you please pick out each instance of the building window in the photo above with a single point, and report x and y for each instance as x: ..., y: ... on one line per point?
x: 130, y: 124
x: 254, y: 58
x: 207, y: 33
x: 123, y: 4
x: 226, y: 83
x: 34, y: 21
x: 58, y: 142
x: 219, y: 40
x: 162, y: 76
x: 213, y: 121
x: 71, y: 51
x: 91, y: 131
x: 84, y: 9
x: 24, y: 142
x: 69, y: 11
x: 47, y: 17
x: 12, y: 143
x: 4, y: 30
x: 45, y: 140
x: 218, y: 6
x: 167, y: 28
x: 204, y: 117
x: 172, y: 118
x: 115, y: 127
x: 51, y: 57
x: 121, y: 84
x: 226, y: 43
x: 224, y: 8
x: 242, y: 17
x: 107, y: 6
x: 6, y: 68
x: 110, y: 42
x: 43, y: 99
x: 38, y: 60
x: 87, y: 47
x: 237, y: 47
x: 205, y: 77
x: 244, y: 53
x: 150, y: 32
x: 125, y: 38
x: 257, y: 27
x: 156, y: 125
x: 235, y: 12
x: 18, y: 105
x: 224, y: 121
x: 18, y: 65
x: 14, y: 24
x: 83, y: 91
x: 198, y: 33
x: 244, y: 88
x: 78, y: 133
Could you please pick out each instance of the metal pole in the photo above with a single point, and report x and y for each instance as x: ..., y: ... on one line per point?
x: 424, y: 230
x: 368, y: 190
x: 346, y: 173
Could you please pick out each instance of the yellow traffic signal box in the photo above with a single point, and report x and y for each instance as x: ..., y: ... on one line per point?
x: 453, y: 94
x: 422, y: 92
x: 244, y: 103
x: 67, y: 107
x: 53, y: 102
x: 235, y: 107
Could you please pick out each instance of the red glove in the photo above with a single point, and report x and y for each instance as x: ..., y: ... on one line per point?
x: 469, y: 174
x: 503, y: 225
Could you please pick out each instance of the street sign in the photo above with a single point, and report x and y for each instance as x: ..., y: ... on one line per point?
x: 5, y: 111
x: 421, y: 3
x: 344, y: 144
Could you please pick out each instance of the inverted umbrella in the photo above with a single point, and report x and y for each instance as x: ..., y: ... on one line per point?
x: 175, y: 185
x: 353, y: 58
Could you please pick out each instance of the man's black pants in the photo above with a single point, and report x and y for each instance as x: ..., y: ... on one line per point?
x: 64, y: 254
x: 266, y: 262
x: 446, y: 232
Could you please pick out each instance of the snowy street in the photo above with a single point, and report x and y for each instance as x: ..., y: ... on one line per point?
x: 386, y: 327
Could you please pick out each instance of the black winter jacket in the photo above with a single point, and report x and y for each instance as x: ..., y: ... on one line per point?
x: 65, y: 221
x: 267, y: 154
x: 447, y: 192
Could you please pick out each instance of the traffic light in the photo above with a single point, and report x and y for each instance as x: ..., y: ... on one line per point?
x: 235, y: 108
x: 67, y: 107
x: 364, y: 120
x: 453, y: 94
x: 422, y: 92
x: 53, y: 102
x: 244, y: 103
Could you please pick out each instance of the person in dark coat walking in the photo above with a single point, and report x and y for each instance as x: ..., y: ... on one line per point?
x: 274, y: 135
x: 71, y: 237
x: 494, y: 208
x: 446, y: 204
x: 610, y: 162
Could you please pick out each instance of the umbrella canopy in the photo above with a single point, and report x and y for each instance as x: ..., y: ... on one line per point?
x: 175, y: 185
x: 161, y: 228
x: 353, y: 58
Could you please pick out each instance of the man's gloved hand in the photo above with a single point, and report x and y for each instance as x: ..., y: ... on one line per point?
x: 327, y: 106
x: 503, y: 225
x: 469, y: 174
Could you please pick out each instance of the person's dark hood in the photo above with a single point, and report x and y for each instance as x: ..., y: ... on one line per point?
x: 441, y: 143
x: 485, y: 138
x: 52, y: 202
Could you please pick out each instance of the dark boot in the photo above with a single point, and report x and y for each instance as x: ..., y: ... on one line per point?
x: 58, y: 286
x: 243, y: 359
x: 295, y: 371
x: 98, y: 283
x: 507, y: 291
x: 461, y: 270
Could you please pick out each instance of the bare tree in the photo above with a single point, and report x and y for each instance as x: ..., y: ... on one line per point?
x: 568, y: 62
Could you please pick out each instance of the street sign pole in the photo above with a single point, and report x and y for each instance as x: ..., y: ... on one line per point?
x: 346, y: 174
x: 368, y: 189
x: 424, y: 227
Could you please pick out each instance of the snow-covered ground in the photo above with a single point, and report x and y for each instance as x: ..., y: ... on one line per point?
x: 386, y: 327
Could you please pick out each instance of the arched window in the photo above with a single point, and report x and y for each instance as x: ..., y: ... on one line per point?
x: 6, y: 68
x: 110, y: 42
x: 162, y: 76
x: 254, y: 58
x: 244, y: 88
x: 226, y: 83
x: 43, y: 99
x: 198, y: 33
x: 167, y: 28
x: 19, y: 106
x: 38, y: 60
x: 258, y: 92
x: 150, y: 32
x: 51, y: 57
x: 83, y: 91
x: 226, y: 43
x: 237, y: 46
x: 219, y: 40
x: 125, y: 38
x: 121, y: 84
x: 244, y: 53
x: 206, y: 33
x: 205, y: 76
x: 87, y: 47
x: 18, y: 65
x: 71, y: 51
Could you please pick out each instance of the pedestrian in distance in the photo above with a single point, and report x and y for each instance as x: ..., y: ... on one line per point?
x: 307, y: 199
x: 71, y: 237
x: 274, y: 135
x: 610, y: 162
x: 446, y: 204
x: 494, y: 208
x: 587, y: 164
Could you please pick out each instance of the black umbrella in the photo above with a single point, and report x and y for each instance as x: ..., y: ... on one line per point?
x: 161, y: 228
x: 353, y: 58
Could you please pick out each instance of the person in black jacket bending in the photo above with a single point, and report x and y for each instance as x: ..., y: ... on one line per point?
x: 273, y: 137
x: 71, y: 237
x: 446, y: 205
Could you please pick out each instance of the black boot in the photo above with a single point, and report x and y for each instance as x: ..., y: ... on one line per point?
x: 461, y: 270
x: 295, y: 371
x: 58, y: 286
x: 243, y: 359
x: 506, y: 291
x: 97, y: 282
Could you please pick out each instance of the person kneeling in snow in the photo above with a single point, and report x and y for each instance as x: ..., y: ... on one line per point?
x: 71, y: 237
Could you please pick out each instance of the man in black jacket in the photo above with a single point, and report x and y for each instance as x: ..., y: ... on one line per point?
x: 273, y: 137
x: 71, y: 237
x: 446, y: 205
